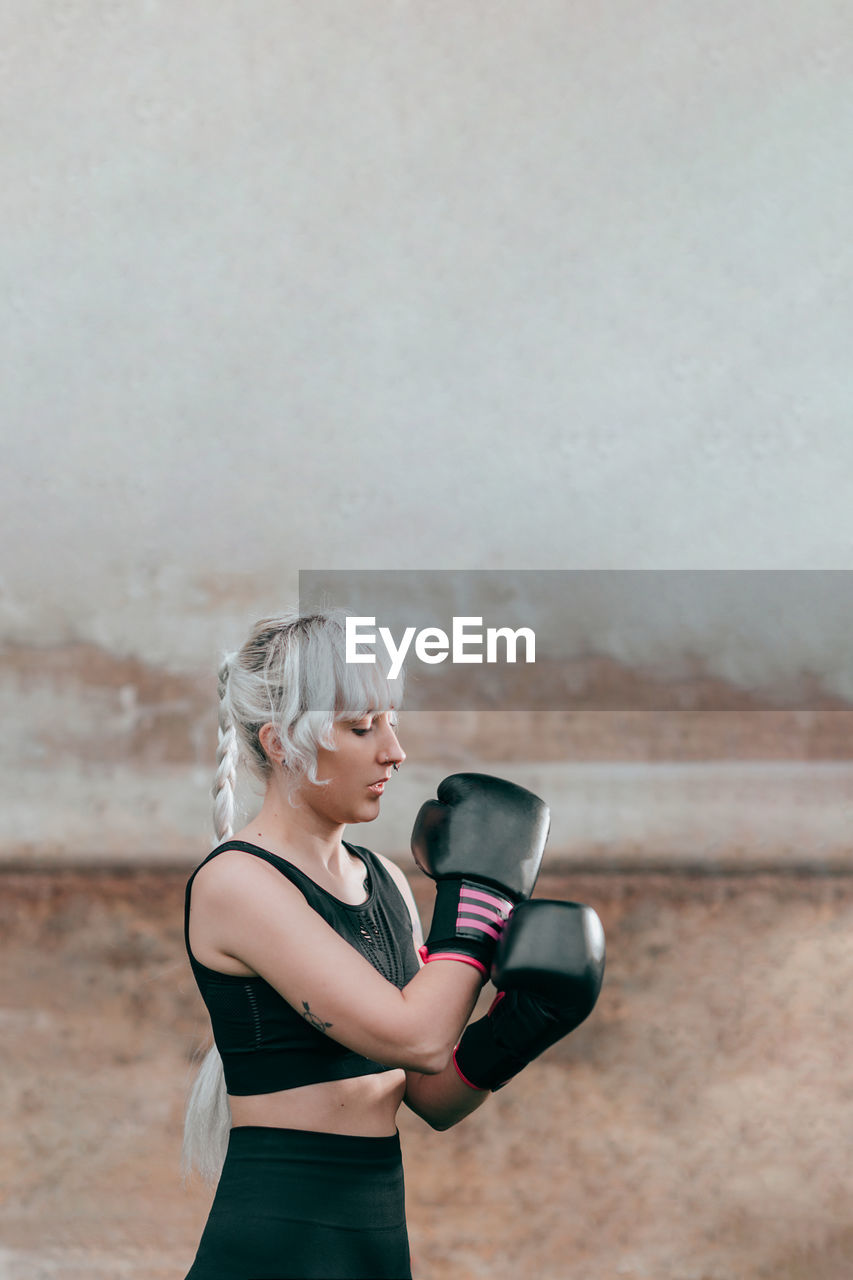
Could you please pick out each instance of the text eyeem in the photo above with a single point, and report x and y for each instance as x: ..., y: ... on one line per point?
x: 433, y: 645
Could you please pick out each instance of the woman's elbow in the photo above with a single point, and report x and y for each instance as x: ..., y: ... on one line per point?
x: 429, y: 1058
x: 441, y: 1123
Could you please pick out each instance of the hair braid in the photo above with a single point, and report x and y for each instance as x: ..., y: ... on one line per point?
x: 208, y: 1116
x: 227, y: 754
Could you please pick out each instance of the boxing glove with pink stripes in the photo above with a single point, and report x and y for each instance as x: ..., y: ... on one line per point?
x: 548, y: 969
x: 482, y: 841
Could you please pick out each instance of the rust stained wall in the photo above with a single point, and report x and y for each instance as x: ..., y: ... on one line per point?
x: 112, y: 758
x: 112, y: 762
x: 697, y: 1127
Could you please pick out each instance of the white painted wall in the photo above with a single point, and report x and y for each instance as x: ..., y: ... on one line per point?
x: 404, y: 284
x: 394, y: 284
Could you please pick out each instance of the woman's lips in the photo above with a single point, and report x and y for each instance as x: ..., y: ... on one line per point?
x: 377, y: 787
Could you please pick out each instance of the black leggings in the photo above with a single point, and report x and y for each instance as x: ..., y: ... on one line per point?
x: 292, y: 1203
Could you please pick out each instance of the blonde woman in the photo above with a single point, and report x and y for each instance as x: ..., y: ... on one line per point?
x: 328, y: 1009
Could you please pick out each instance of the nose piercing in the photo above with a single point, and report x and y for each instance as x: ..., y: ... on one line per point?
x: 396, y: 768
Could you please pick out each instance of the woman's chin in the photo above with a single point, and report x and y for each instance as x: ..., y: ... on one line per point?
x: 368, y: 810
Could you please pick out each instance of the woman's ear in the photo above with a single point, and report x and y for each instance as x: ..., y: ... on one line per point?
x: 269, y: 738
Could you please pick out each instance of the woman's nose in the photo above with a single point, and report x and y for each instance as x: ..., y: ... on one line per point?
x: 393, y: 753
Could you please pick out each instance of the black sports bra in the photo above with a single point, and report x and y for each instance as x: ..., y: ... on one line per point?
x: 265, y: 1045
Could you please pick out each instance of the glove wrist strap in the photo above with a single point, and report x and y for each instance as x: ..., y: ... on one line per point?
x: 467, y: 920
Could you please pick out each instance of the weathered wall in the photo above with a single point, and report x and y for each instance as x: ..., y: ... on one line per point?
x: 112, y: 764
x: 390, y: 285
x: 461, y: 285
x: 696, y: 1127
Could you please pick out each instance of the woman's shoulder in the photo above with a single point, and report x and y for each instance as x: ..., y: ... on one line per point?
x: 241, y: 867
x: 396, y: 873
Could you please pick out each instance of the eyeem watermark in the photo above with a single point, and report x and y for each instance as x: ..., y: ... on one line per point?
x: 433, y: 645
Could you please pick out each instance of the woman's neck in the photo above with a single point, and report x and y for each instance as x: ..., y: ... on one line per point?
x: 298, y: 830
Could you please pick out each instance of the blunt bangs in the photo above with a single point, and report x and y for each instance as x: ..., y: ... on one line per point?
x: 363, y: 689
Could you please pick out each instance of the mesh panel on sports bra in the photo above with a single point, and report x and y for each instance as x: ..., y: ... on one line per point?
x: 376, y: 943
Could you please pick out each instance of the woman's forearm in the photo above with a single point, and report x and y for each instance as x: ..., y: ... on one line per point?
x: 443, y: 1099
x: 438, y: 1002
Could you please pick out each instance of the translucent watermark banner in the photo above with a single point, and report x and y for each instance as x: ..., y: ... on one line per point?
x: 599, y: 639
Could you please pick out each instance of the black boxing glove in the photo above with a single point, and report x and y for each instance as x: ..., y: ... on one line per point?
x: 482, y: 841
x: 548, y: 968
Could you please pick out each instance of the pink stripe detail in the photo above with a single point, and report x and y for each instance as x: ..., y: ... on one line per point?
x: 470, y: 908
x: 454, y: 955
x: 479, y: 925
x: 500, y: 903
x: 464, y: 1078
x: 495, y: 1003
x: 423, y: 953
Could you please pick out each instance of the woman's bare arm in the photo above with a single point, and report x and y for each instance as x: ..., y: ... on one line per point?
x: 254, y: 914
x: 442, y: 1099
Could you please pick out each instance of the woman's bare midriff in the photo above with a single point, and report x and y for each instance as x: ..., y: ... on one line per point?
x: 365, y: 1106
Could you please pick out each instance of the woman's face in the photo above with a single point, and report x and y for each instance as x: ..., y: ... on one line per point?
x: 357, y: 770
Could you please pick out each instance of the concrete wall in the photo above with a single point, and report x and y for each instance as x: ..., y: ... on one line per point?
x: 390, y: 285
x: 428, y: 285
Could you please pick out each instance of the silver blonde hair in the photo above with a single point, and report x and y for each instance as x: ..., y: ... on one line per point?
x: 292, y: 673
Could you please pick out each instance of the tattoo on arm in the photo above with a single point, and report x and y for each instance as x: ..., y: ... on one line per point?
x: 317, y: 1023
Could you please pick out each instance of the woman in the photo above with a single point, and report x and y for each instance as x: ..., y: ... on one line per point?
x: 305, y: 949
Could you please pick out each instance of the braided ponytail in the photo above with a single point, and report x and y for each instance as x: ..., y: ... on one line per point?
x: 227, y: 755
x: 208, y: 1116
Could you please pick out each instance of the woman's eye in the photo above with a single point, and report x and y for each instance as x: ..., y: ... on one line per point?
x: 361, y: 730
